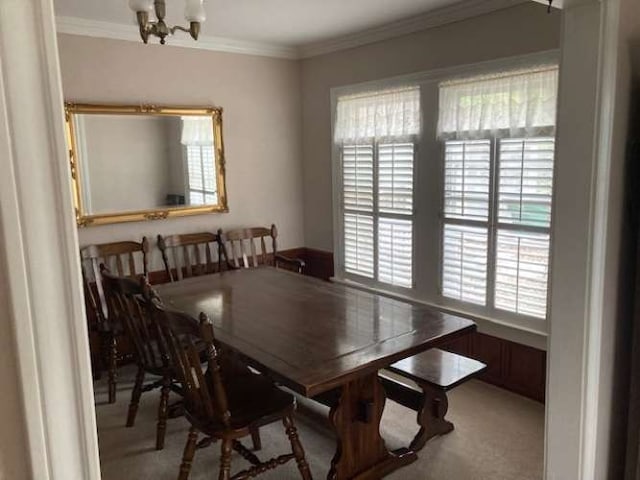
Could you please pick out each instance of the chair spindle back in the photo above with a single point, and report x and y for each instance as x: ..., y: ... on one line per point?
x: 125, y: 298
x: 111, y: 255
x: 204, y: 393
x: 241, y: 246
x: 191, y: 254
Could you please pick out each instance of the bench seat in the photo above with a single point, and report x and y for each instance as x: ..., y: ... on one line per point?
x: 435, y: 372
x: 438, y: 368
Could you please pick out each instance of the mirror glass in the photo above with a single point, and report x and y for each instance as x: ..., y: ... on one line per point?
x: 150, y: 164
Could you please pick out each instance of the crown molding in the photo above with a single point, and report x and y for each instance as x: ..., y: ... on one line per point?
x: 435, y: 18
x: 99, y: 29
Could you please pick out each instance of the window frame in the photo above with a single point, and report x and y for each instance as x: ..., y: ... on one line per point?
x: 428, y: 194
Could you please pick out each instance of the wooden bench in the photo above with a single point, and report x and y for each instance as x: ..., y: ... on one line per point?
x: 436, y: 372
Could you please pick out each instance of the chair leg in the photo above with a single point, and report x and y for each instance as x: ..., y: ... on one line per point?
x: 135, y: 398
x: 163, y: 413
x: 255, y: 438
x: 225, y: 459
x: 431, y: 418
x: 296, y: 446
x: 189, y: 453
x: 112, y: 366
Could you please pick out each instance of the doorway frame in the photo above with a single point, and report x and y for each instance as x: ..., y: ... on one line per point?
x: 42, y: 268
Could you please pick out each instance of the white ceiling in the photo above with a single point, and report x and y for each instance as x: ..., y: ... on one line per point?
x: 287, y: 23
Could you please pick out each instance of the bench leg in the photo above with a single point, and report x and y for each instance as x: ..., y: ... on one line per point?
x: 431, y: 417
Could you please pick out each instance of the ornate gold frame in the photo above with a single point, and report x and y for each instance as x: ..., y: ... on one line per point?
x: 75, y: 163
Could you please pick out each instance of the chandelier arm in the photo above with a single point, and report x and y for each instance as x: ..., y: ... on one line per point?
x: 193, y: 30
x: 178, y: 27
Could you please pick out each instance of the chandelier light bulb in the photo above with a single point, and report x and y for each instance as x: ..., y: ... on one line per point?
x: 194, y: 11
x: 141, y: 5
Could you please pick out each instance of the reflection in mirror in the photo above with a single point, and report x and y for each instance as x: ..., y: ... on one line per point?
x: 138, y: 164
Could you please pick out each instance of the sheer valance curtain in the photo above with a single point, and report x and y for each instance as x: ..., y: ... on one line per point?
x: 379, y: 115
x: 197, y: 131
x: 521, y: 103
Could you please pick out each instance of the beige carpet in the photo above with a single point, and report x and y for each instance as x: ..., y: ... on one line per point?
x: 498, y: 436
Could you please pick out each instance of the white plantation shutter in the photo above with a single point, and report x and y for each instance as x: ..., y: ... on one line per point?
x: 395, y: 178
x: 194, y: 166
x: 376, y: 135
x: 357, y: 177
x: 522, y: 270
x: 358, y: 244
x: 201, y: 175
x: 395, y: 251
x: 465, y: 240
x: 525, y: 181
x: 525, y: 187
x: 357, y: 190
x: 380, y: 220
x: 395, y: 196
x: 464, y: 263
x: 467, y: 169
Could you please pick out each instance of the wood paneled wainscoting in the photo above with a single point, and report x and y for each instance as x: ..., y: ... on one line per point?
x: 515, y: 367
x: 512, y: 366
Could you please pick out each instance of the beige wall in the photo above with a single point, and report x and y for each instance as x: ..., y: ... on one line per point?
x: 262, y: 132
x: 128, y: 162
x: 514, y: 31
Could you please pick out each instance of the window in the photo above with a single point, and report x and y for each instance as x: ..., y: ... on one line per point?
x: 454, y: 211
x: 201, y: 175
x: 198, y: 144
x: 376, y: 135
x: 498, y: 176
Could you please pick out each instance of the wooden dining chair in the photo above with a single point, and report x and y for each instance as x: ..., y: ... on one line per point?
x: 190, y: 254
x: 128, y: 307
x: 240, y: 246
x: 95, y: 324
x: 120, y: 258
x: 227, y: 401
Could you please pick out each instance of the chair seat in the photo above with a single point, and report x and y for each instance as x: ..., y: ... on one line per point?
x: 253, y: 401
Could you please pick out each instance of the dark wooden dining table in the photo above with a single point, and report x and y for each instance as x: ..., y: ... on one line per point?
x: 315, y: 337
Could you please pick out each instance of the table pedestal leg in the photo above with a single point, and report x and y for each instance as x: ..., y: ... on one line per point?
x: 361, y: 453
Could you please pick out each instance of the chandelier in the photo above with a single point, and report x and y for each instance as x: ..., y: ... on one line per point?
x: 194, y: 14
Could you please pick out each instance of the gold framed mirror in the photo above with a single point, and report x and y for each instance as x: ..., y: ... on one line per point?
x: 142, y: 162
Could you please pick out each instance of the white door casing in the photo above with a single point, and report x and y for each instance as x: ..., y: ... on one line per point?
x: 40, y: 238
